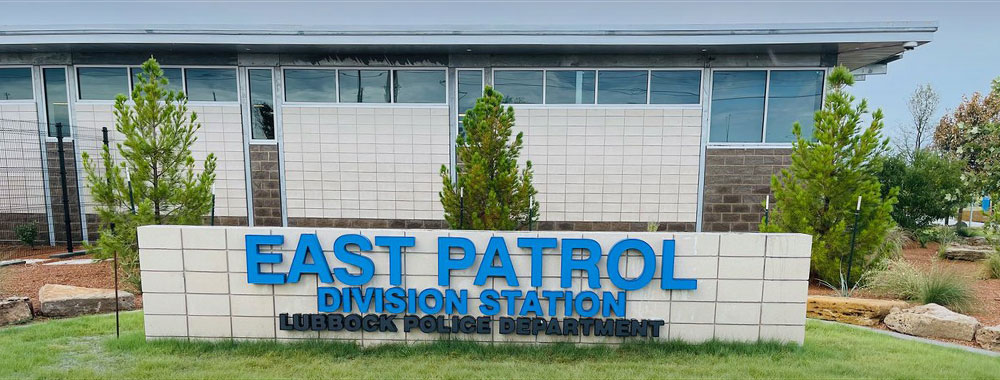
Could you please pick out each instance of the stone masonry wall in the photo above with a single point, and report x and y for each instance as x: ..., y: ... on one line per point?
x: 265, y: 185
x: 736, y: 183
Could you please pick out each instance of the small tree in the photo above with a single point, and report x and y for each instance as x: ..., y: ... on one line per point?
x: 490, y: 191
x: 930, y: 187
x: 158, y: 133
x: 817, y: 194
x: 923, y: 103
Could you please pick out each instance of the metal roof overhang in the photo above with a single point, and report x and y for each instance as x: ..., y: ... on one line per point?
x: 856, y: 44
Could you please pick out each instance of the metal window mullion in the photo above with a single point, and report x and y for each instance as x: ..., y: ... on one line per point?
x: 545, y: 74
x: 767, y: 90
x: 72, y: 84
x: 242, y: 96
x: 277, y: 86
x: 706, y: 120
x: 38, y: 86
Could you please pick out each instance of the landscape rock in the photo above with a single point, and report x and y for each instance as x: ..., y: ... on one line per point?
x: 967, y: 252
x: 856, y: 311
x: 15, y: 310
x: 66, y: 301
x: 976, y: 241
x: 989, y: 338
x: 932, y: 321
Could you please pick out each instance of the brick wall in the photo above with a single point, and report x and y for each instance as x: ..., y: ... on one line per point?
x: 736, y: 183
x: 265, y: 185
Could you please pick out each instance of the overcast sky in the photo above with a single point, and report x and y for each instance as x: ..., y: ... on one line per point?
x: 963, y: 57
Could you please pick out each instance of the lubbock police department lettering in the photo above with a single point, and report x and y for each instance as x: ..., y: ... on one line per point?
x: 528, y: 312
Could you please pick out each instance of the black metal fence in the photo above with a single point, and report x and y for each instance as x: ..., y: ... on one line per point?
x: 41, y: 179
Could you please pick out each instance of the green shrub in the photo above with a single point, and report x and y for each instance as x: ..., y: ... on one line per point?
x: 930, y: 187
x: 902, y: 280
x: 27, y: 233
x: 991, y: 266
x: 943, y: 235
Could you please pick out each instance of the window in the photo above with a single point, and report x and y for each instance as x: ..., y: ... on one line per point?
x: 675, y: 87
x: 211, y: 85
x: 622, y: 86
x: 737, y: 106
x: 419, y: 86
x: 569, y: 87
x: 175, y: 80
x: 261, y: 104
x: 102, y: 83
x: 318, y: 86
x: 56, y: 100
x: 792, y: 96
x: 364, y: 86
x: 470, y: 88
x: 15, y: 83
x: 519, y: 86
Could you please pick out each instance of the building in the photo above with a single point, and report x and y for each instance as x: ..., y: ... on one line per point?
x: 676, y: 125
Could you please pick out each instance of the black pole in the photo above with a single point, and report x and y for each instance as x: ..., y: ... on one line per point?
x: 461, y: 208
x: 854, y: 235
x: 118, y: 328
x: 131, y: 199
x: 65, y: 187
x: 212, y: 221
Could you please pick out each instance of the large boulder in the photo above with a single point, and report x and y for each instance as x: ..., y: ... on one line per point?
x: 66, y: 301
x: 989, y: 338
x: 856, y: 311
x: 932, y: 321
x: 15, y: 310
x: 967, y: 252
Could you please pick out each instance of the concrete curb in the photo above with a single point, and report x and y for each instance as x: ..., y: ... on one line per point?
x: 915, y: 338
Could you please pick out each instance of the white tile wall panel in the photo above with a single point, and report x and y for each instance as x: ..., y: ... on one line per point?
x: 221, y: 133
x: 365, y: 162
x: 613, y: 164
x: 21, y: 158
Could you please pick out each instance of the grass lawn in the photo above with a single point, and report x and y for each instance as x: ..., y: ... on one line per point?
x: 85, y: 347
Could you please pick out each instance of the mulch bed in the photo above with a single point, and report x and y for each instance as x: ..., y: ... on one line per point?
x: 25, y: 280
x: 987, y: 291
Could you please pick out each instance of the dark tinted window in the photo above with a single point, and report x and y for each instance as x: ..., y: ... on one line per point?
x: 470, y: 88
x: 102, y: 83
x: 737, y: 106
x: 419, y: 86
x: 211, y: 85
x: 175, y: 81
x: 792, y: 96
x: 261, y: 104
x: 364, y: 86
x: 675, y: 87
x: 622, y: 86
x: 569, y: 87
x: 519, y: 86
x: 15, y: 83
x: 56, y: 104
x: 311, y: 86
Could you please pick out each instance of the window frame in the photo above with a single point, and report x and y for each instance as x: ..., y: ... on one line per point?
x: 767, y: 91
x: 31, y: 75
x: 392, y: 86
x: 71, y: 93
x: 597, y: 80
x: 131, y: 78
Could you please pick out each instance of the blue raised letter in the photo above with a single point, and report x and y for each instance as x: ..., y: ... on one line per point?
x: 255, y: 258
x: 497, y: 247
x: 669, y: 282
x: 365, y: 264
x: 309, y: 247
x: 648, y: 264
x: 446, y: 263
x: 589, y: 264
x: 537, y: 245
x: 395, y: 244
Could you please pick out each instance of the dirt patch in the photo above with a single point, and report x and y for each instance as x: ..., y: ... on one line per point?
x: 25, y: 280
x: 10, y: 252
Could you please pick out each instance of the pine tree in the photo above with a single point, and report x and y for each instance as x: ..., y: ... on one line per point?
x: 490, y: 192
x: 158, y: 133
x: 818, y: 193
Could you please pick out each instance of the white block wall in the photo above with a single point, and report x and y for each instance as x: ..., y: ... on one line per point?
x: 365, y: 162
x: 750, y: 286
x: 221, y: 133
x: 613, y: 164
x: 21, y: 158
